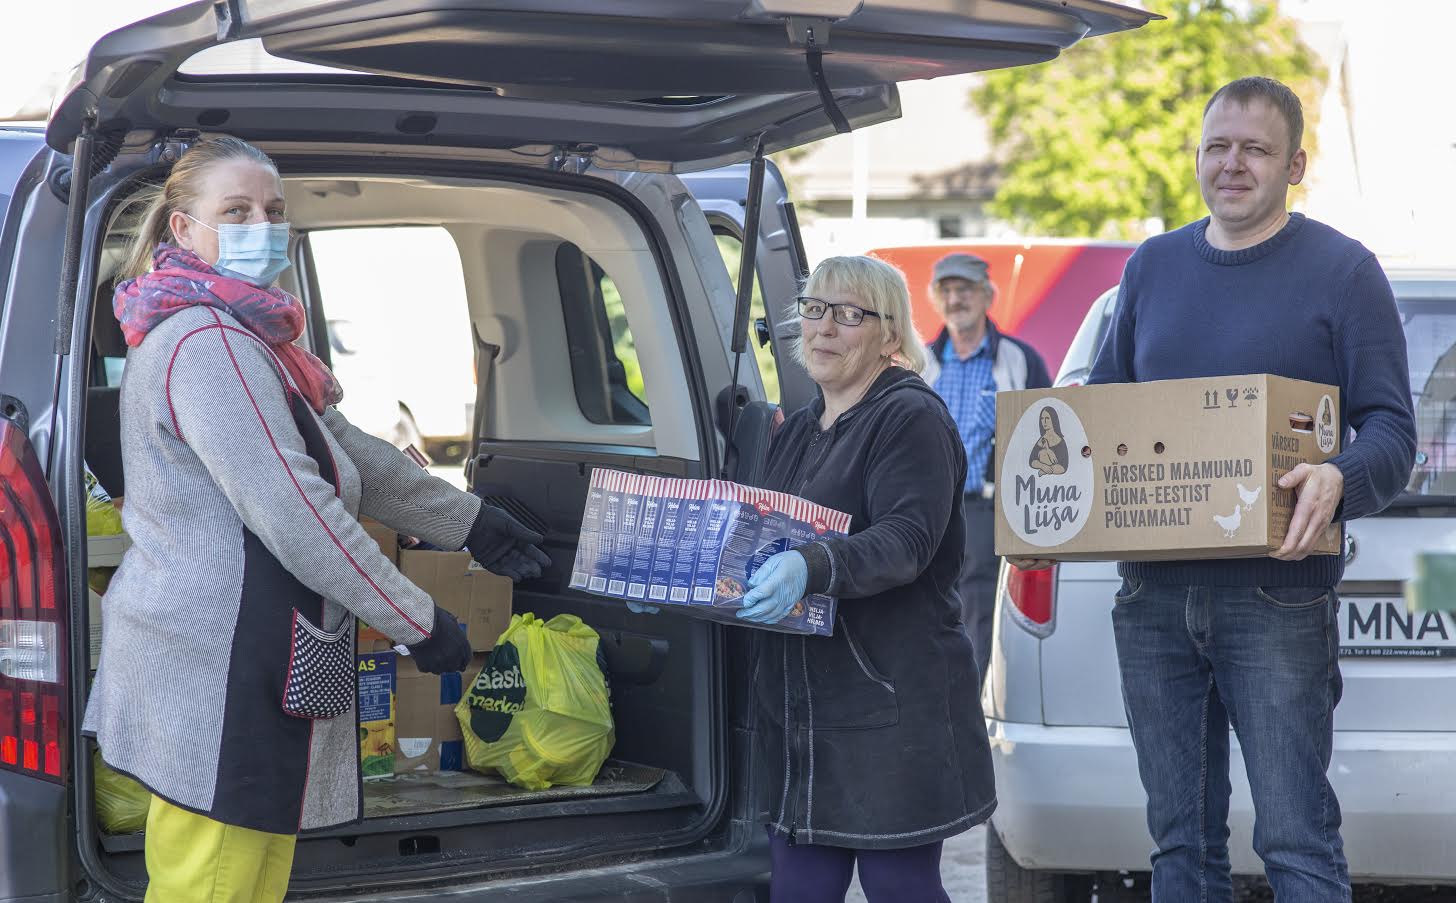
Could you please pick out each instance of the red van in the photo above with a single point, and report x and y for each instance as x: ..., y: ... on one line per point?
x: 1044, y: 285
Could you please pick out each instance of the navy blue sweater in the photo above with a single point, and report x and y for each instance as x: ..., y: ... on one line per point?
x: 1308, y: 304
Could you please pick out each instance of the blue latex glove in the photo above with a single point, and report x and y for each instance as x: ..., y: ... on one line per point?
x: 642, y: 608
x: 774, y: 588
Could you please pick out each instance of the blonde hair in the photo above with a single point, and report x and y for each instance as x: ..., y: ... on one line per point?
x: 179, y: 192
x: 880, y: 287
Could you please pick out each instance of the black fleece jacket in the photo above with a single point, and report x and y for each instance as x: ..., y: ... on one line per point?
x: 873, y: 738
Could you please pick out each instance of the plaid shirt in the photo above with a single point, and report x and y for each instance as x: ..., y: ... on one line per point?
x: 969, y: 391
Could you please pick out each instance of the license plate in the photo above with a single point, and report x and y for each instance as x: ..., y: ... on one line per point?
x: 1383, y: 627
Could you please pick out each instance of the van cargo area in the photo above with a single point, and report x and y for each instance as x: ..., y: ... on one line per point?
x: 660, y: 784
x: 537, y: 266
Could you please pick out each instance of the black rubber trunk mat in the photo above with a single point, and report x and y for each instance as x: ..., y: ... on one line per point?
x: 410, y: 794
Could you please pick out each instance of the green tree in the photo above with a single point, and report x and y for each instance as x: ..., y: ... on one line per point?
x: 1099, y: 141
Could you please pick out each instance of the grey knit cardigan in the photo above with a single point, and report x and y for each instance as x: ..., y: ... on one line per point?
x: 242, y: 509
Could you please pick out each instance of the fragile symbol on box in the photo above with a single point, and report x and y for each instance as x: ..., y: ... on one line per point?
x: 695, y: 543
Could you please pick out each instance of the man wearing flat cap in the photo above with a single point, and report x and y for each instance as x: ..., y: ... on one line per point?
x: 969, y: 362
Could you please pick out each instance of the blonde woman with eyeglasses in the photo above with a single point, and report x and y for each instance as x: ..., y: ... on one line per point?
x: 874, y: 746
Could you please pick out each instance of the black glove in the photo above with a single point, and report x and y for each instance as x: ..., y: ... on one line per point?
x: 504, y: 546
x: 445, y: 650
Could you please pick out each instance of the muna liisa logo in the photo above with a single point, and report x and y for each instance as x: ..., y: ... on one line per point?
x: 1046, y: 480
x: 1325, y: 433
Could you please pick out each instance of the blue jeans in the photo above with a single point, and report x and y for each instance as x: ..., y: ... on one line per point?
x: 1196, y: 659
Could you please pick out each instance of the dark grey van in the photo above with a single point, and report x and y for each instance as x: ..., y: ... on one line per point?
x: 585, y: 164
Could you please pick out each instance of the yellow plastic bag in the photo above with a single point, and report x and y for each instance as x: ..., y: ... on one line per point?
x: 102, y: 518
x: 121, y: 803
x: 539, y: 711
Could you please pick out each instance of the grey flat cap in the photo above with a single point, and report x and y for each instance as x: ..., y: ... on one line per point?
x: 961, y: 266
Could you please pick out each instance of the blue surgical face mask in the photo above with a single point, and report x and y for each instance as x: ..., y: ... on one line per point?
x: 255, y: 253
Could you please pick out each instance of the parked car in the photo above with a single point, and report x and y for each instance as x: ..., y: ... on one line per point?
x: 1071, y: 809
x: 1044, y: 285
x: 546, y: 145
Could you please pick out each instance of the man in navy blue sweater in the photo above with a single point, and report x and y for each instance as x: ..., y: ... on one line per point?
x: 1253, y: 642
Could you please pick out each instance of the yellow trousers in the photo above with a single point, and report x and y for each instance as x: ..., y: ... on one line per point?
x: 193, y: 859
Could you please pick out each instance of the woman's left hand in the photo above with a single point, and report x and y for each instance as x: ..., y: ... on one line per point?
x: 505, y: 546
x: 774, y: 588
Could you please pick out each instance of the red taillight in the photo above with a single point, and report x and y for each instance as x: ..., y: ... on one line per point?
x: 1033, y: 598
x: 34, y: 707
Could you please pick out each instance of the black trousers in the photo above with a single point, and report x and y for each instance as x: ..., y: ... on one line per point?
x: 977, y: 583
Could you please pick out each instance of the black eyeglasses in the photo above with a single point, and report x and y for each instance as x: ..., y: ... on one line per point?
x: 844, y: 314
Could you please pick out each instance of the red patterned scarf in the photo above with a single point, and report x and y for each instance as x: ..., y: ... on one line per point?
x: 180, y: 279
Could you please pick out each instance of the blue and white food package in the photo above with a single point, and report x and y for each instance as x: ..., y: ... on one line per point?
x: 693, y: 544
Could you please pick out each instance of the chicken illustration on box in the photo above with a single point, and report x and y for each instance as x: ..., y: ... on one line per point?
x: 1230, y: 523
x: 1250, y: 497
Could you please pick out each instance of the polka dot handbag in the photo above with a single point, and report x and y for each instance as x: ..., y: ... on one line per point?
x: 321, y: 682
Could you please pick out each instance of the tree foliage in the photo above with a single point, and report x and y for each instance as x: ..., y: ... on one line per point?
x: 1101, y: 140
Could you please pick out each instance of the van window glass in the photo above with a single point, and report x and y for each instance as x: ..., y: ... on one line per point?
x: 1430, y: 334
x: 731, y: 247
x: 605, y: 371
x: 399, y: 335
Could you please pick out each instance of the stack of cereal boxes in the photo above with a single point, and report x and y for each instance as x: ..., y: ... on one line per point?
x: 695, y: 544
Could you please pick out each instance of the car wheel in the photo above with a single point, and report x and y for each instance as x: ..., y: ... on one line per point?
x: 1008, y: 882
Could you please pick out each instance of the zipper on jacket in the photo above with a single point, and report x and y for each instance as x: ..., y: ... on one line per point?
x: 803, y: 772
x: 811, y: 464
x: 796, y: 762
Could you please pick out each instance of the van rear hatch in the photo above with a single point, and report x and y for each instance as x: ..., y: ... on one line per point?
x: 683, y: 84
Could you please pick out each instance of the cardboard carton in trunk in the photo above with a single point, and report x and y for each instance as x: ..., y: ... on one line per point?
x: 376, y: 676
x: 427, y: 731
x: 480, y: 599
x: 1166, y: 470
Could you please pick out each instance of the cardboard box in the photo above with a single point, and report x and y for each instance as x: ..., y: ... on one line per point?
x: 480, y: 599
x: 376, y: 676
x: 695, y: 543
x: 370, y: 640
x: 1158, y: 471
x: 427, y: 731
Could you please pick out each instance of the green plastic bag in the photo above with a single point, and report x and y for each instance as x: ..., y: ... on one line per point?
x: 539, y: 711
x: 121, y: 803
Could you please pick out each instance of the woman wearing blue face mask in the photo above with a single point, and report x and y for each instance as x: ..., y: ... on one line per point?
x: 226, y: 684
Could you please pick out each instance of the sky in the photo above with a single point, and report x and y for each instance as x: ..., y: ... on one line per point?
x: 1392, y: 182
x: 40, y: 40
